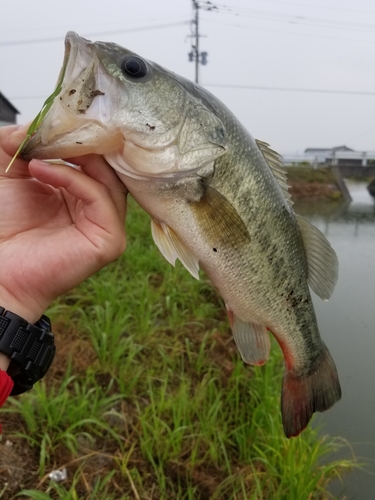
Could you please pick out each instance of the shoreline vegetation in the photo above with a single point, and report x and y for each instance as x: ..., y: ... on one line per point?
x: 148, y: 399
x: 320, y: 184
x: 307, y: 183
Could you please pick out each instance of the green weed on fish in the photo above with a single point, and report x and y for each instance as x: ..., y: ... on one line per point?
x: 41, y: 115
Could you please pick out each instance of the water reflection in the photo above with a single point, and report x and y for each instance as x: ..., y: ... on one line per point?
x: 347, y: 324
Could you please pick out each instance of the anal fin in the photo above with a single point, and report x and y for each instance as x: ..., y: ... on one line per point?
x: 252, y: 340
x: 173, y: 248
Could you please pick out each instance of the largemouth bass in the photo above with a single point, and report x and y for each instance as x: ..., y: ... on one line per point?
x: 218, y: 200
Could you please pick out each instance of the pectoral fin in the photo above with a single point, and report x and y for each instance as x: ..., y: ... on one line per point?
x: 172, y: 248
x: 321, y: 259
x: 252, y: 340
x: 219, y: 219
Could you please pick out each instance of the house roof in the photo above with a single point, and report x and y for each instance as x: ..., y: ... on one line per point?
x: 8, y: 103
x: 326, y: 150
x: 317, y: 150
x: 342, y: 148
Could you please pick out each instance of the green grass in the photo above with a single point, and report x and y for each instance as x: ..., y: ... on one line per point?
x: 149, y: 399
x: 322, y: 175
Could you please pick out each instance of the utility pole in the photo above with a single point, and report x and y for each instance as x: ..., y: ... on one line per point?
x: 196, y: 7
x: 195, y: 55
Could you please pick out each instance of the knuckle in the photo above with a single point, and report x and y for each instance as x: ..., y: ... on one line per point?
x: 111, y: 250
x: 102, y: 191
x: 120, y: 246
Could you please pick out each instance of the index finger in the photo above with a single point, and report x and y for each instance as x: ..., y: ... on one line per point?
x: 96, y: 167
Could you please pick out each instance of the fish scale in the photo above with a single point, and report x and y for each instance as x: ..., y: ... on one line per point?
x: 218, y: 201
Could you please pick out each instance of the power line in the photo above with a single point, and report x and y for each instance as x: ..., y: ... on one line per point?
x: 297, y: 19
x: 101, y: 33
x: 250, y: 87
x: 325, y: 7
x: 98, y: 25
x: 290, y: 89
x: 289, y: 33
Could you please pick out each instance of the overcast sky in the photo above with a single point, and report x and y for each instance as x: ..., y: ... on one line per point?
x: 264, y: 45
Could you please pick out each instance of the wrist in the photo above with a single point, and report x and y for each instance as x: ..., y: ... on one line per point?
x: 28, y: 309
x: 4, y: 362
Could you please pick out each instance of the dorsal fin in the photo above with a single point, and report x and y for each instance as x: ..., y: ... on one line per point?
x: 321, y: 260
x: 274, y: 161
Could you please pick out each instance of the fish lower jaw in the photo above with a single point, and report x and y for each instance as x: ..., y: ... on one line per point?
x: 123, y: 166
x: 125, y: 171
x: 87, y: 138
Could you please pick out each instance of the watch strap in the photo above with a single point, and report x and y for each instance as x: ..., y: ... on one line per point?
x: 31, y: 349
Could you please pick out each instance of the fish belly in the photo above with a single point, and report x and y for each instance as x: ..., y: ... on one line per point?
x: 260, y: 296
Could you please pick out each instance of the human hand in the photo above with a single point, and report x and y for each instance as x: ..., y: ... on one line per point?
x: 58, y: 225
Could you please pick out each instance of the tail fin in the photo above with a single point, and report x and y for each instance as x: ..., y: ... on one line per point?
x: 302, y: 395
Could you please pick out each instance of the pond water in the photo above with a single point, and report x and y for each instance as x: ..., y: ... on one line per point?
x: 347, y: 324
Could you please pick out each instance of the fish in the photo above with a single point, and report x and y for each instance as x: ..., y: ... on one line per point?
x: 218, y: 201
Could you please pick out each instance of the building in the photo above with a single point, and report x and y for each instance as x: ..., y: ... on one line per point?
x: 8, y: 113
x: 339, y: 155
x: 325, y: 155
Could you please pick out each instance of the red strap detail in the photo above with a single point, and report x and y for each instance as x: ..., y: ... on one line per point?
x: 6, y: 386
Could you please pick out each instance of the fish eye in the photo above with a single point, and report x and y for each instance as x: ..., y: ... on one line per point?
x: 134, y: 66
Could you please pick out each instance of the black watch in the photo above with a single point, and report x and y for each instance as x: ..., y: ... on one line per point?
x: 31, y: 349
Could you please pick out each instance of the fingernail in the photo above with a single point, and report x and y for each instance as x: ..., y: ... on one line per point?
x: 40, y: 163
x: 19, y: 131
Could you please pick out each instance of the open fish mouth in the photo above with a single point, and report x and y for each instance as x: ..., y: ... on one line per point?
x: 83, y: 108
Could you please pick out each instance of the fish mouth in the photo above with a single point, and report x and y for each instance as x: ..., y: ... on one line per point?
x: 78, y: 121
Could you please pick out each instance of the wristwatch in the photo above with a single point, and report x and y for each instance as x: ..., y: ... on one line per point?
x: 31, y: 349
